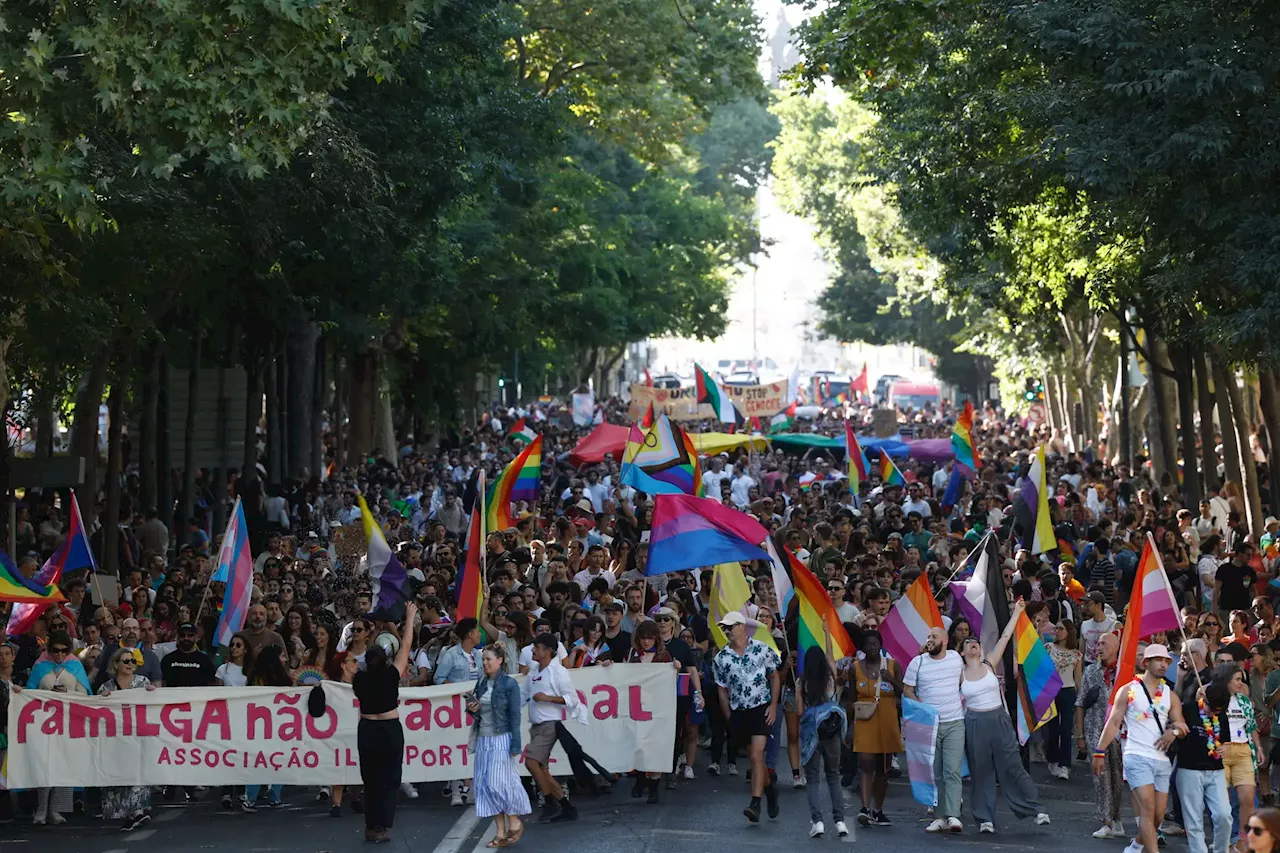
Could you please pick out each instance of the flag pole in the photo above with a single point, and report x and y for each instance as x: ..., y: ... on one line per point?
x: 1176, y: 609
x: 982, y: 544
x: 482, y: 507
x: 222, y: 546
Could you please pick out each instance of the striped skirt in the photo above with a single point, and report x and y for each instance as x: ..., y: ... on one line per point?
x: 497, y: 785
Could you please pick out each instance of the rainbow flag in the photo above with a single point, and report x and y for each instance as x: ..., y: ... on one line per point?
x: 889, y: 473
x: 235, y: 569
x: 74, y: 553
x: 712, y: 393
x: 661, y: 460
x: 859, y: 466
x: 1038, y: 683
x: 15, y: 587
x: 906, y: 627
x: 689, y: 532
x: 519, y: 481
x: 841, y: 399
x: 471, y: 574
x: 818, y: 619
x: 962, y: 439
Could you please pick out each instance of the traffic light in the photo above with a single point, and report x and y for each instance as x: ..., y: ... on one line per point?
x: 1039, y: 392
x: 502, y: 380
x: 1030, y: 393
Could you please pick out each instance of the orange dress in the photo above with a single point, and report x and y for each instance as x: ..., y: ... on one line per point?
x: 881, y: 733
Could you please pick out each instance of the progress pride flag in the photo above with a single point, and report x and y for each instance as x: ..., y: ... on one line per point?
x: 250, y: 735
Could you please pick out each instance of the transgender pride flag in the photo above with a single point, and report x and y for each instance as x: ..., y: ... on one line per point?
x: 235, y: 569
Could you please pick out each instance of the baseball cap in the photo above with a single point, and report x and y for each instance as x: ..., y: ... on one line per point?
x: 665, y: 611
x: 1098, y: 596
x: 186, y: 626
x: 1155, y: 650
x: 615, y: 606
x: 733, y: 617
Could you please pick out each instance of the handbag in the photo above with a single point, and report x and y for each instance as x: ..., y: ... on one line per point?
x: 862, y: 709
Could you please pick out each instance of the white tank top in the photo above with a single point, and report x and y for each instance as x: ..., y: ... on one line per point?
x: 1140, y: 724
x: 982, y: 694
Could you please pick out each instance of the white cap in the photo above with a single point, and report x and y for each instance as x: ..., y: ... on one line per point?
x: 1155, y: 650
x: 733, y: 617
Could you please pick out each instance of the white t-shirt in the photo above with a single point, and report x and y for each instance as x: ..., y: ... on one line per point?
x: 526, y: 655
x: 937, y: 683
x: 921, y: 506
x: 231, y: 675
x: 740, y: 490
x: 847, y: 612
x: 1235, y: 718
x: 711, y: 481
x: 1091, y: 631
x: 584, y: 578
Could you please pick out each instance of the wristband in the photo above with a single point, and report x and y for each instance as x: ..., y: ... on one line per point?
x: 1099, y: 753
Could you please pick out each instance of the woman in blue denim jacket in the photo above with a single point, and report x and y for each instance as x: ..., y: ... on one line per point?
x: 495, y: 731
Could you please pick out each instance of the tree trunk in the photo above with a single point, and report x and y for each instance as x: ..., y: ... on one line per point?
x: 115, y: 465
x: 1191, y: 490
x: 340, y: 383
x: 1239, y: 428
x: 252, y: 416
x: 189, y: 431
x: 148, y: 429
x: 1206, y: 399
x: 386, y: 437
x: 219, y: 485
x: 282, y: 398
x: 84, y: 429
x: 363, y: 401
x: 318, y: 400
x: 1269, y: 402
x: 46, y: 421
x: 164, y: 449
x: 274, y: 429
x: 1164, y: 409
x: 302, y: 395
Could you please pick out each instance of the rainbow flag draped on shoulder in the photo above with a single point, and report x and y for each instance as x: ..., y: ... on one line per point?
x: 519, y: 481
x: 661, y: 460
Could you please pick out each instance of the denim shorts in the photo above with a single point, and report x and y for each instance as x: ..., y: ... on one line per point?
x: 1140, y: 770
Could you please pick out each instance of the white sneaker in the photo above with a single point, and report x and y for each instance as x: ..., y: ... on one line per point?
x: 1103, y: 833
x: 1063, y: 773
x: 799, y: 782
x: 1053, y: 769
x: 56, y: 819
x: 954, y: 824
x: 842, y: 829
x: 1135, y: 846
x: 1117, y: 827
x: 408, y: 790
x: 987, y: 827
x: 733, y: 770
x: 39, y: 819
x: 713, y: 769
x: 816, y: 829
x: 456, y: 799
x: 938, y: 825
x: 1042, y: 819
x: 688, y: 771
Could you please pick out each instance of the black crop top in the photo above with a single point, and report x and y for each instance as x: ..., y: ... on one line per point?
x: 377, y: 692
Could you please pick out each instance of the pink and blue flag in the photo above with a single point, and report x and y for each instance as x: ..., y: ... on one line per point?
x: 691, y: 532
x: 235, y: 569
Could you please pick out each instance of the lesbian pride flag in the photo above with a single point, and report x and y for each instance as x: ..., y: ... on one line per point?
x: 906, y: 627
x: 1152, y: 608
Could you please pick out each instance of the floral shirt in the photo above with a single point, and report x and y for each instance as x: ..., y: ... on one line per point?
x: 746, y: 676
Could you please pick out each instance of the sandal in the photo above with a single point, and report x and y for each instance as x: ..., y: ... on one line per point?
x: 515, y: 835
x: 498, y: 842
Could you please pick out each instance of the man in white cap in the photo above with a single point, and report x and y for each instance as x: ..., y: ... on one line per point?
x: 1152, y: 716
x: 746, y: 676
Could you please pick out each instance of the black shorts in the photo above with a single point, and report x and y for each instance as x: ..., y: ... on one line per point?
x: 749, y: 722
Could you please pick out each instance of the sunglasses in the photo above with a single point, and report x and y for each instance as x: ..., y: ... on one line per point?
x: 357, y: 630
x: 1257, y: 830
x: 835, y: 589
x: 59, y: 651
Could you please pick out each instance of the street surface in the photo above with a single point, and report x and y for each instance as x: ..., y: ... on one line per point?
x: 702, y: 815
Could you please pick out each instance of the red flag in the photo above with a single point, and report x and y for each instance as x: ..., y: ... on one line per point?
x: 649, y: 418
x: 755, y: 425
x: 860, y: 384
x: 469, y: 593
x: 648, y: 380
x: 1152, y: 608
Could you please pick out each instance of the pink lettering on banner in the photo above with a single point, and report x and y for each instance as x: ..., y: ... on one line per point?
x: 230, y: 736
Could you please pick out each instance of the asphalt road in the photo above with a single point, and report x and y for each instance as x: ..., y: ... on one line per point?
x: 702, y: 814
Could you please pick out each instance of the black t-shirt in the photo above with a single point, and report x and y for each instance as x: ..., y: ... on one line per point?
x: 377, y: 692
x: 1193, y: 750
x: 619, y: 646
x: 680, y: 651
x: 1237, y: 586
x: 187, y: 669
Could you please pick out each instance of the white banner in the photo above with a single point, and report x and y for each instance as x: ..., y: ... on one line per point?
x: 264, y: 735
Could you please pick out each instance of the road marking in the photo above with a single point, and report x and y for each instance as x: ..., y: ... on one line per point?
x: 166, y: 816
x: 140, y: 835
x: 489, y: 834
x: 458, y: 834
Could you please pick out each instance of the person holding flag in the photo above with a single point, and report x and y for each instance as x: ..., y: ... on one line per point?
x: 1153, y: 720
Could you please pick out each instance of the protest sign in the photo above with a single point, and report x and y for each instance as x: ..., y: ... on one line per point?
x: 679, y: 404
x: 264, y: 735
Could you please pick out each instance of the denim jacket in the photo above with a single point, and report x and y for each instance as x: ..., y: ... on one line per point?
x: 506, y: 709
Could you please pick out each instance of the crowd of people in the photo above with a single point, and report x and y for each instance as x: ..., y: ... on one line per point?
x: 569, y: 586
